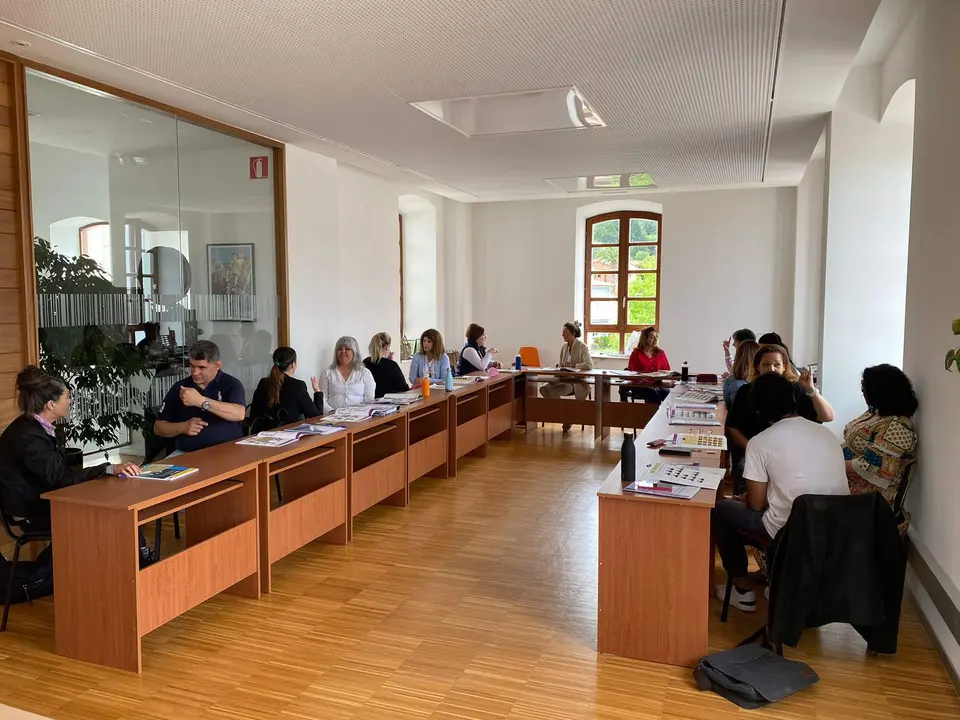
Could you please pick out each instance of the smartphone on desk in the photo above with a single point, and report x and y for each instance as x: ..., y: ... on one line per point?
x: 654, y: 444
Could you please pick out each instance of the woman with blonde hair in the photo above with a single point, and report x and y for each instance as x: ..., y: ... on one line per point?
x: 740, y: 370
x: 387, y: 375
x: 346, y: 381
x: 432, y: 361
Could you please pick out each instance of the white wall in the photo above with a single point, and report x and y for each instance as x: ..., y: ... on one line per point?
x: 867, y: 225
x: 933, y: 293
x: 808, y: 275
x: 67, y: 184
x: 313, y: 257
x: 714, y: 244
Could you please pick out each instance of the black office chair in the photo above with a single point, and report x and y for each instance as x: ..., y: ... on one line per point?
x: 21, y: 535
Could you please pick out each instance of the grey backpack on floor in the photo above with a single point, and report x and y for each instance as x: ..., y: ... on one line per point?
x: 752, y: 676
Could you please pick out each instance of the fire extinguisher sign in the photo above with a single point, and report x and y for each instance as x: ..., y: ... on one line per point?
x: 259, y: 168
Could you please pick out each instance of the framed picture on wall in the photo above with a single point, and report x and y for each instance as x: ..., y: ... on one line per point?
x: 232, y: 284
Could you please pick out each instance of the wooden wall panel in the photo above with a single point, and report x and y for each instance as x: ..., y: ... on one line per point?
x: 17, y: 302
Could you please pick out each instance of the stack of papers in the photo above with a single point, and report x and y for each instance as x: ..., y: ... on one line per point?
x: 359, y: 413
x: 407, y: 398
x: 679, y: 492
x: 697, y: 396
x: 684, y: 416
x: 692, y: 476
x: 467, y: 380
x: 279, y: 438
x: 697, y: 442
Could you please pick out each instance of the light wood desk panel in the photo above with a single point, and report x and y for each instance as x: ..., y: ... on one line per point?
x: 104, y: 602
x: 655, y: 562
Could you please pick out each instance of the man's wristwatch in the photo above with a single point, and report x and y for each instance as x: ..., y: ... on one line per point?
x: 205, y: 406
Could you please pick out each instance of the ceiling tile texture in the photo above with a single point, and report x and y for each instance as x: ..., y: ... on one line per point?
x: 684, y: 86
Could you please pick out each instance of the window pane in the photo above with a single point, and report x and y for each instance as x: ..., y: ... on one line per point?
x: 643, y: 230
x: 604, y: 285
x: 603, y: 342
x: 606, y: 232
x: 641, y: 312
x: 643, y: 257
x: 641, y: 180
x: 642, y: 285
x: 603, y: 312
x: 605, y: 258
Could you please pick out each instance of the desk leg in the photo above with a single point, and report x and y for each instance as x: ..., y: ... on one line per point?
x: 96, y: 561
x: 451, y: 437
x: 599, y: 391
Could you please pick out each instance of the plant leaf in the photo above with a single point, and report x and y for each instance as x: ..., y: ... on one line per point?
x: 951, y: 357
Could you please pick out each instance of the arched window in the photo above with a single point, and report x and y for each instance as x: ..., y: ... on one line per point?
x: 622, y: 278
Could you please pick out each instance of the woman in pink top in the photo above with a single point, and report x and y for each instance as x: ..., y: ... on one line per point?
x: 647, y: 357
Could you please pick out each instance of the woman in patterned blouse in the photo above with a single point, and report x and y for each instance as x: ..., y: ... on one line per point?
x: 880, y: 446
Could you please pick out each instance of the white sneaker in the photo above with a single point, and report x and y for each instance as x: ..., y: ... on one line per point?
x: 745, y: 601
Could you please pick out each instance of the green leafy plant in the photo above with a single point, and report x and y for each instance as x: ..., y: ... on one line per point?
x: 953, y: 356
x: 96, y: 361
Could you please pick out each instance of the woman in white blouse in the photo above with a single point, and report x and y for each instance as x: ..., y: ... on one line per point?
x: 346, y: 381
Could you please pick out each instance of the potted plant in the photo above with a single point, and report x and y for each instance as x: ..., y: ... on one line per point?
x: 95, y: 360
x: 953, y: 356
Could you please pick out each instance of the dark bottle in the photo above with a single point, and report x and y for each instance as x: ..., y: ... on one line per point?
x: 684, y: 372
x: 628, y: 459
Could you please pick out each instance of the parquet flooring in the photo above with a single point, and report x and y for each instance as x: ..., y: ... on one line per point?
x: 478, y: 601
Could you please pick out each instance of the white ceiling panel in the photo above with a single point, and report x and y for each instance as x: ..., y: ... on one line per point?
x: 684, y: 86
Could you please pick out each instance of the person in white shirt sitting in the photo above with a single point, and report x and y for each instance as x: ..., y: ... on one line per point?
x: 346, y: 381
x: 792, y: 457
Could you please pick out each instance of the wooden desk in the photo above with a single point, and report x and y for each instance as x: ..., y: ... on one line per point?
x: 104, y: 602
x: 467, y: 407
x: 429, y: 437
x: 377, y: 463
x: 602, y: 412
x: 313, y: 477
x: 655, y: 564
x: 500, y: 405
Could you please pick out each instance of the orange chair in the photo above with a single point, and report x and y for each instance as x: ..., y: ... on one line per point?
x: 529, y: 356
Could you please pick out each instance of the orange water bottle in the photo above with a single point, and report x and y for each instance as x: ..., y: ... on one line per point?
x: 425, y: 386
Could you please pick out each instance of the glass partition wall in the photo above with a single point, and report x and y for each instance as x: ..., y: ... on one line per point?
x: 150, y: 233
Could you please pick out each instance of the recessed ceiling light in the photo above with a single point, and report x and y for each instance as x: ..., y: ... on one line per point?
x: 20, y: 43
x: 621, y: 182
x: 513, y: 113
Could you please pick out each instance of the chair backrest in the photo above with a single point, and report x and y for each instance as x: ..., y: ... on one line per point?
x: 529, y: 356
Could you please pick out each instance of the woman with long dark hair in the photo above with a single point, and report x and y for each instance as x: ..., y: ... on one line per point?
x: 432, y: 361
x: 282, y: 397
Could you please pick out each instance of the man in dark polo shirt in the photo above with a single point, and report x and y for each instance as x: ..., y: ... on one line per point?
x: 206, y: 408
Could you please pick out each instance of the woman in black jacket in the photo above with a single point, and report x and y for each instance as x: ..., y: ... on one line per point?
x: 282, y: 397
x: 386, y: 373
x: 31, y: 464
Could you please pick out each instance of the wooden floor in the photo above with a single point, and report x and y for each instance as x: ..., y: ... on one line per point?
x: 477, y: 601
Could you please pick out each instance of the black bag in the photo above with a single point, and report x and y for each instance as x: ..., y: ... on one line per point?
x: 752, y: 676
x: 34, y: 578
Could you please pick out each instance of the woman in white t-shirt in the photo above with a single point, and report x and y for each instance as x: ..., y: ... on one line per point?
x: 346, y: 381
x: 794, y: 456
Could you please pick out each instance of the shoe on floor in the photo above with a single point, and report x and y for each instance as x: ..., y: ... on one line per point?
x: 566, y: 427
x: 745, y: 601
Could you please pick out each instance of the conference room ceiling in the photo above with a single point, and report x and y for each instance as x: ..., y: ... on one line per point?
x: 684, y: 87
